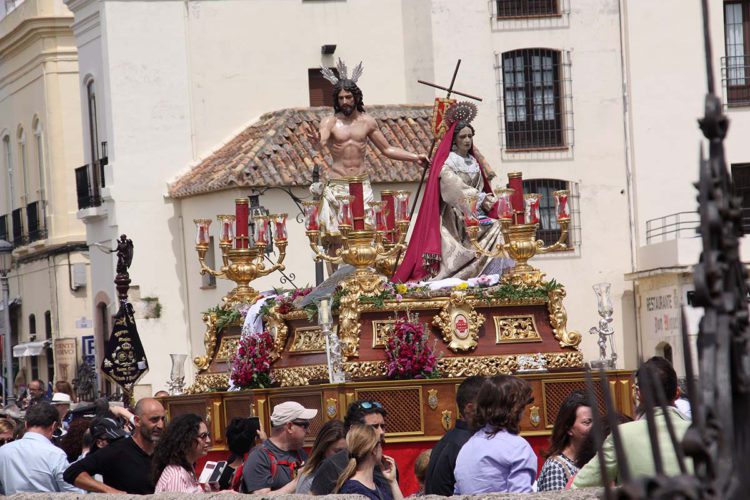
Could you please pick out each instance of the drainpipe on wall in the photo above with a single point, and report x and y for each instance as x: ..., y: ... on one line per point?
x: 629, y: 184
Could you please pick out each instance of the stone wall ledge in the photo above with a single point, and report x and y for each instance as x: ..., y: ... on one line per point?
x: 583, y: 494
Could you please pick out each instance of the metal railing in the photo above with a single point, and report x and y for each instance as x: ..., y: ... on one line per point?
x: 88, y: 195
x: 19, y: 239
x: 34, y: 222
x: 735, y: 79
x: 672, y: 226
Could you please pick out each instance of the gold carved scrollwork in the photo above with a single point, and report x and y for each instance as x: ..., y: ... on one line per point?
x: 516, y: 329
x: 359, y: 284
x: 564, y: 360
x: 209, y: 341
x: 278, y: 329
x: 558, y: 318
x: 308, y: 339
x: 459, y: 323
x: 381, y: 330
x: 227, y: 348
x: 209, y: 382
x: 301, y: 375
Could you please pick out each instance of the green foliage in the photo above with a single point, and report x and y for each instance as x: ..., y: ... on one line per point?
x: 224, y: 317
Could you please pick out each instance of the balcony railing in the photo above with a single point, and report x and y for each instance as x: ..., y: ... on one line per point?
x: 4, y: 235
x: 88, y: 195
x: 672, y: 226
x: 34, y: 222
x: 18, y: 237
x: 735, y: 78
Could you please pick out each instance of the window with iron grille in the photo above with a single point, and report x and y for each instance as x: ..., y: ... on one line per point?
x: 741, y: 184
x: 526, y: 8
x: 735, y: 66
x: 535, y: 100
x: 18, y: 236
x: 549, y: 229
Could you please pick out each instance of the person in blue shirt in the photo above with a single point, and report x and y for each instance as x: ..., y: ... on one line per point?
x: 32, y: 463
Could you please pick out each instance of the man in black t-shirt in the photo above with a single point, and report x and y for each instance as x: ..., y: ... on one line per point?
x: 439, y: 479
x: 272, y: 467
x: 125, y: 464
x: 369, y: 413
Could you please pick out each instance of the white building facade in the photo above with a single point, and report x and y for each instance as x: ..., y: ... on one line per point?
x: 573, y: 96
x: 40, y: 143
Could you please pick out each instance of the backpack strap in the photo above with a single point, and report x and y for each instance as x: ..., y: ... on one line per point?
x: 293, y: 466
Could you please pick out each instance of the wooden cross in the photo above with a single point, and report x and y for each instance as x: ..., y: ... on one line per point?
x: 450, y: 87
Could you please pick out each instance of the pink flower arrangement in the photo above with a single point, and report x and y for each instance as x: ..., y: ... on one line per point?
x: 251, y: 366
x: 408, y: 352
x: 286, y: 302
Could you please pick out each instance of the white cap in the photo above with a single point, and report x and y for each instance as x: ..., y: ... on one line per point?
x: 291, y: 410
x: 60, y: 398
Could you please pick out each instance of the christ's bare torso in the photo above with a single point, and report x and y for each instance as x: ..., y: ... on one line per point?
x: 346, y: 138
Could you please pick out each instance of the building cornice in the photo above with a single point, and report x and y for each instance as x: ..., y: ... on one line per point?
x: 31, y: 30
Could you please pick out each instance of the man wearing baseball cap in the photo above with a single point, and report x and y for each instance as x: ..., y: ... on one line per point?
x: 272, y: 467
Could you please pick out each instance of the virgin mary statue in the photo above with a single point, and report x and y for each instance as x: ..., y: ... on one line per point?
x: 439, y: 247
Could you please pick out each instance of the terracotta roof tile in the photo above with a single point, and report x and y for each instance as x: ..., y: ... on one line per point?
x: 275, y: 151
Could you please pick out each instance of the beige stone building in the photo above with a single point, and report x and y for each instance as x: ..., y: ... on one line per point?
x: 41, y: 145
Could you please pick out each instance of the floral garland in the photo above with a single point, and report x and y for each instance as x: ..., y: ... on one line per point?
x: 251, y: 365
x: 408, y: 353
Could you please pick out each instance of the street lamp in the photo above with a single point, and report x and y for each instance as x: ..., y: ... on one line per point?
x: 6, y: 260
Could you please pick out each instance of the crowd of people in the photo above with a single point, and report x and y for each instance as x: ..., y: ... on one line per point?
x: 139, y: 452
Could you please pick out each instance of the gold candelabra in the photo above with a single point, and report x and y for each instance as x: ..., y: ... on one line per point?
x: 365, y: 248
x: 243, y: 260
x: 520, y: 241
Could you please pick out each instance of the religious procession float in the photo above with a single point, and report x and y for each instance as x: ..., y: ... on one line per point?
x: 374, y: 332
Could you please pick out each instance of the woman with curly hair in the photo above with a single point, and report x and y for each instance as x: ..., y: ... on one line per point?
x: 185, y: 440
x: 7, y: 428
x: 365, y: 454
x: 572, y: 427
x: 496, y: 459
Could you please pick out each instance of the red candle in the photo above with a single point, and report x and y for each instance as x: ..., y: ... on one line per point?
x: 389, y: 214
x: 356, y: 190
x: 280, y: 226
x: 241, y: 216
x: 515, y: 182
x: 531, y: 211
x: 311, y: 215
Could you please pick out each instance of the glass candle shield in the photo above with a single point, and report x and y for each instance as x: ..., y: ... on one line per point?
x: 562, y: 209
x: 226, y: 228
x: 603, y: 299
x: 345, y: 210
x: 261, y: 231
x: 402, y: 205
x: 531, y: 208
x: 504, y: 204
x: 311, y: 209
x: 469, y: 207
x: 324, y: 312
x: 377, y: 215
x: 279, y: 226
x: 202, y: 235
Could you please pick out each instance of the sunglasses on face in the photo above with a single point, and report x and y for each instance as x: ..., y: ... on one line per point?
x: 301, y: 423
x: 378, y: 426
x: 368, y: 405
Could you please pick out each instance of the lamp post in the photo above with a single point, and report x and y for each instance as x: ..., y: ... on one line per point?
x: 5, y: 263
